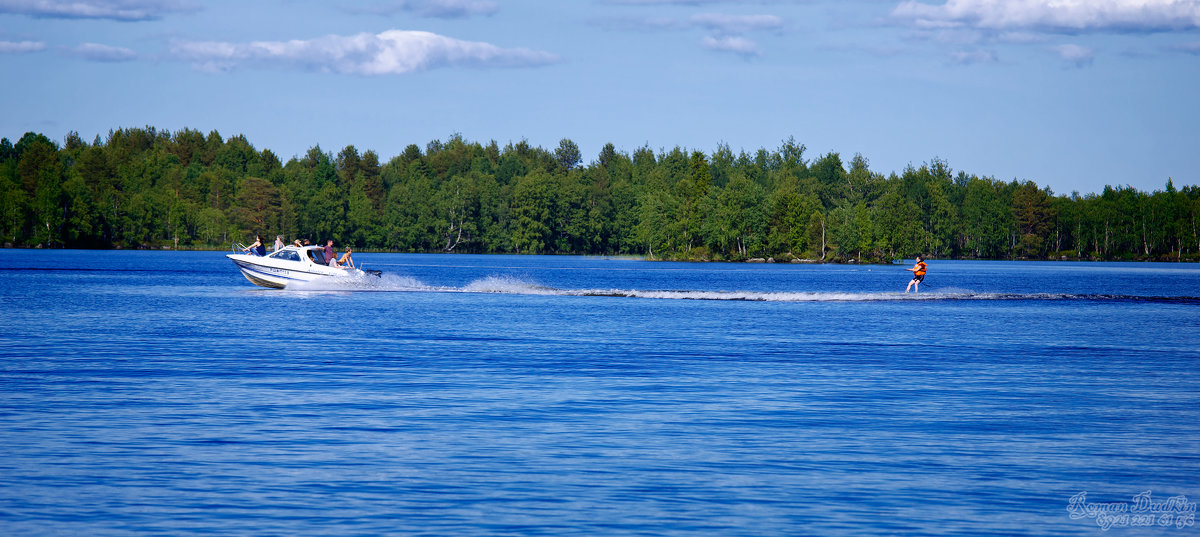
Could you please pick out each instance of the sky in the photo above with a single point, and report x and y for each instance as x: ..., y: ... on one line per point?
x: 1070, y: 94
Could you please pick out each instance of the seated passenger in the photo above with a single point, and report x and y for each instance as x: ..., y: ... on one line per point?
x: 257, y: 248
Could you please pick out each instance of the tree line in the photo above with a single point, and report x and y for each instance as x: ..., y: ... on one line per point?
x: 151, y: 188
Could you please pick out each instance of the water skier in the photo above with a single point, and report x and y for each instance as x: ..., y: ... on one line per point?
x: 918, y: 271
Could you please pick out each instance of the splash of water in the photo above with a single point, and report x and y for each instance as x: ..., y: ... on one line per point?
x: 362, y: 282
x: 509, y: 284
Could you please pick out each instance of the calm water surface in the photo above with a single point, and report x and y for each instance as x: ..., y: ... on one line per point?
x: 161, y: 393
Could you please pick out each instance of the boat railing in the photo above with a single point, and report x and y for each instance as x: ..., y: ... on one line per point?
x: 239, y: 248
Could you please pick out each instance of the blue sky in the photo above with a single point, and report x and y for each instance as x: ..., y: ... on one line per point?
x: 1071, y: 94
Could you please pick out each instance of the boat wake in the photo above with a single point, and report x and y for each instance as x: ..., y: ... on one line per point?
x: 362, y: 282
x: 504, y: 284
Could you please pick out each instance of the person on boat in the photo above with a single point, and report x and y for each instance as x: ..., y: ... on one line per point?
x: 345, y: 261
x: 300, y: 244
x: 257, y: 248
x: 918, y: 271
x: 330, y: 257
x: 278, y: 243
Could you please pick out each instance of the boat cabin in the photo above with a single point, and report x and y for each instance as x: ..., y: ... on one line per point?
x: 314, y: 254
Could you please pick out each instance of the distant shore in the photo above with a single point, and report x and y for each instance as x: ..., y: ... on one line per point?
x: 150, y: 188
x: 752, y: 260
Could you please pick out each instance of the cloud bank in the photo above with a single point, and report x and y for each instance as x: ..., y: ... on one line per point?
x: 119, y: 10
x: 1067, y: 16
x: 393, y: 52
x: 983, y: 22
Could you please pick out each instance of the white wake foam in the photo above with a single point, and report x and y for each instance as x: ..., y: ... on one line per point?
x: 509, y: 284
x: 362, y: 282
x: 516, y: 285
x: 752, y: 296
x: 521, y: 286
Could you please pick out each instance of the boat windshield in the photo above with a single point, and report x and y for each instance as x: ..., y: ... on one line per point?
x: 289, y: 255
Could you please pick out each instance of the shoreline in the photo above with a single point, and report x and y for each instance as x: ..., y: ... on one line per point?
x: 635, y: 257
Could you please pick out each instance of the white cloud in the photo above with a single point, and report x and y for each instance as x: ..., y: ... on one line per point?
x: 665, y: 2
x: 721, y: 24
x: 715, y: 23
x: 968, y: 57
x: 388, y: 53
x: 725, y: 33
x: 104, y: 53
x: 443, y: 9
x: 640, y: 24
x: 21, y: 47
x: 122, y: 10
x: 1021, y: 37
x: 1074, y: 54
x: 693, y: 2
x: 1068, y: 16
x: 1189, y: 48
x: 737, y: 45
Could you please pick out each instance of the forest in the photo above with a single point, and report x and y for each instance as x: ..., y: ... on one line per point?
x: 151, y: 188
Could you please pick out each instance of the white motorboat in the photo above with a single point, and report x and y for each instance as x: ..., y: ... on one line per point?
x: 290, y: 265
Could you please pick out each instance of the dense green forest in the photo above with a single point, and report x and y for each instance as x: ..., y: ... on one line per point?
x: 150, y: 188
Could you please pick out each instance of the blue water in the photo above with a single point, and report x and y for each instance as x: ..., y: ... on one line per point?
x: 160, y: 393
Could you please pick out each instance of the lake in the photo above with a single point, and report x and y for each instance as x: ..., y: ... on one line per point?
x: 161, y: 393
